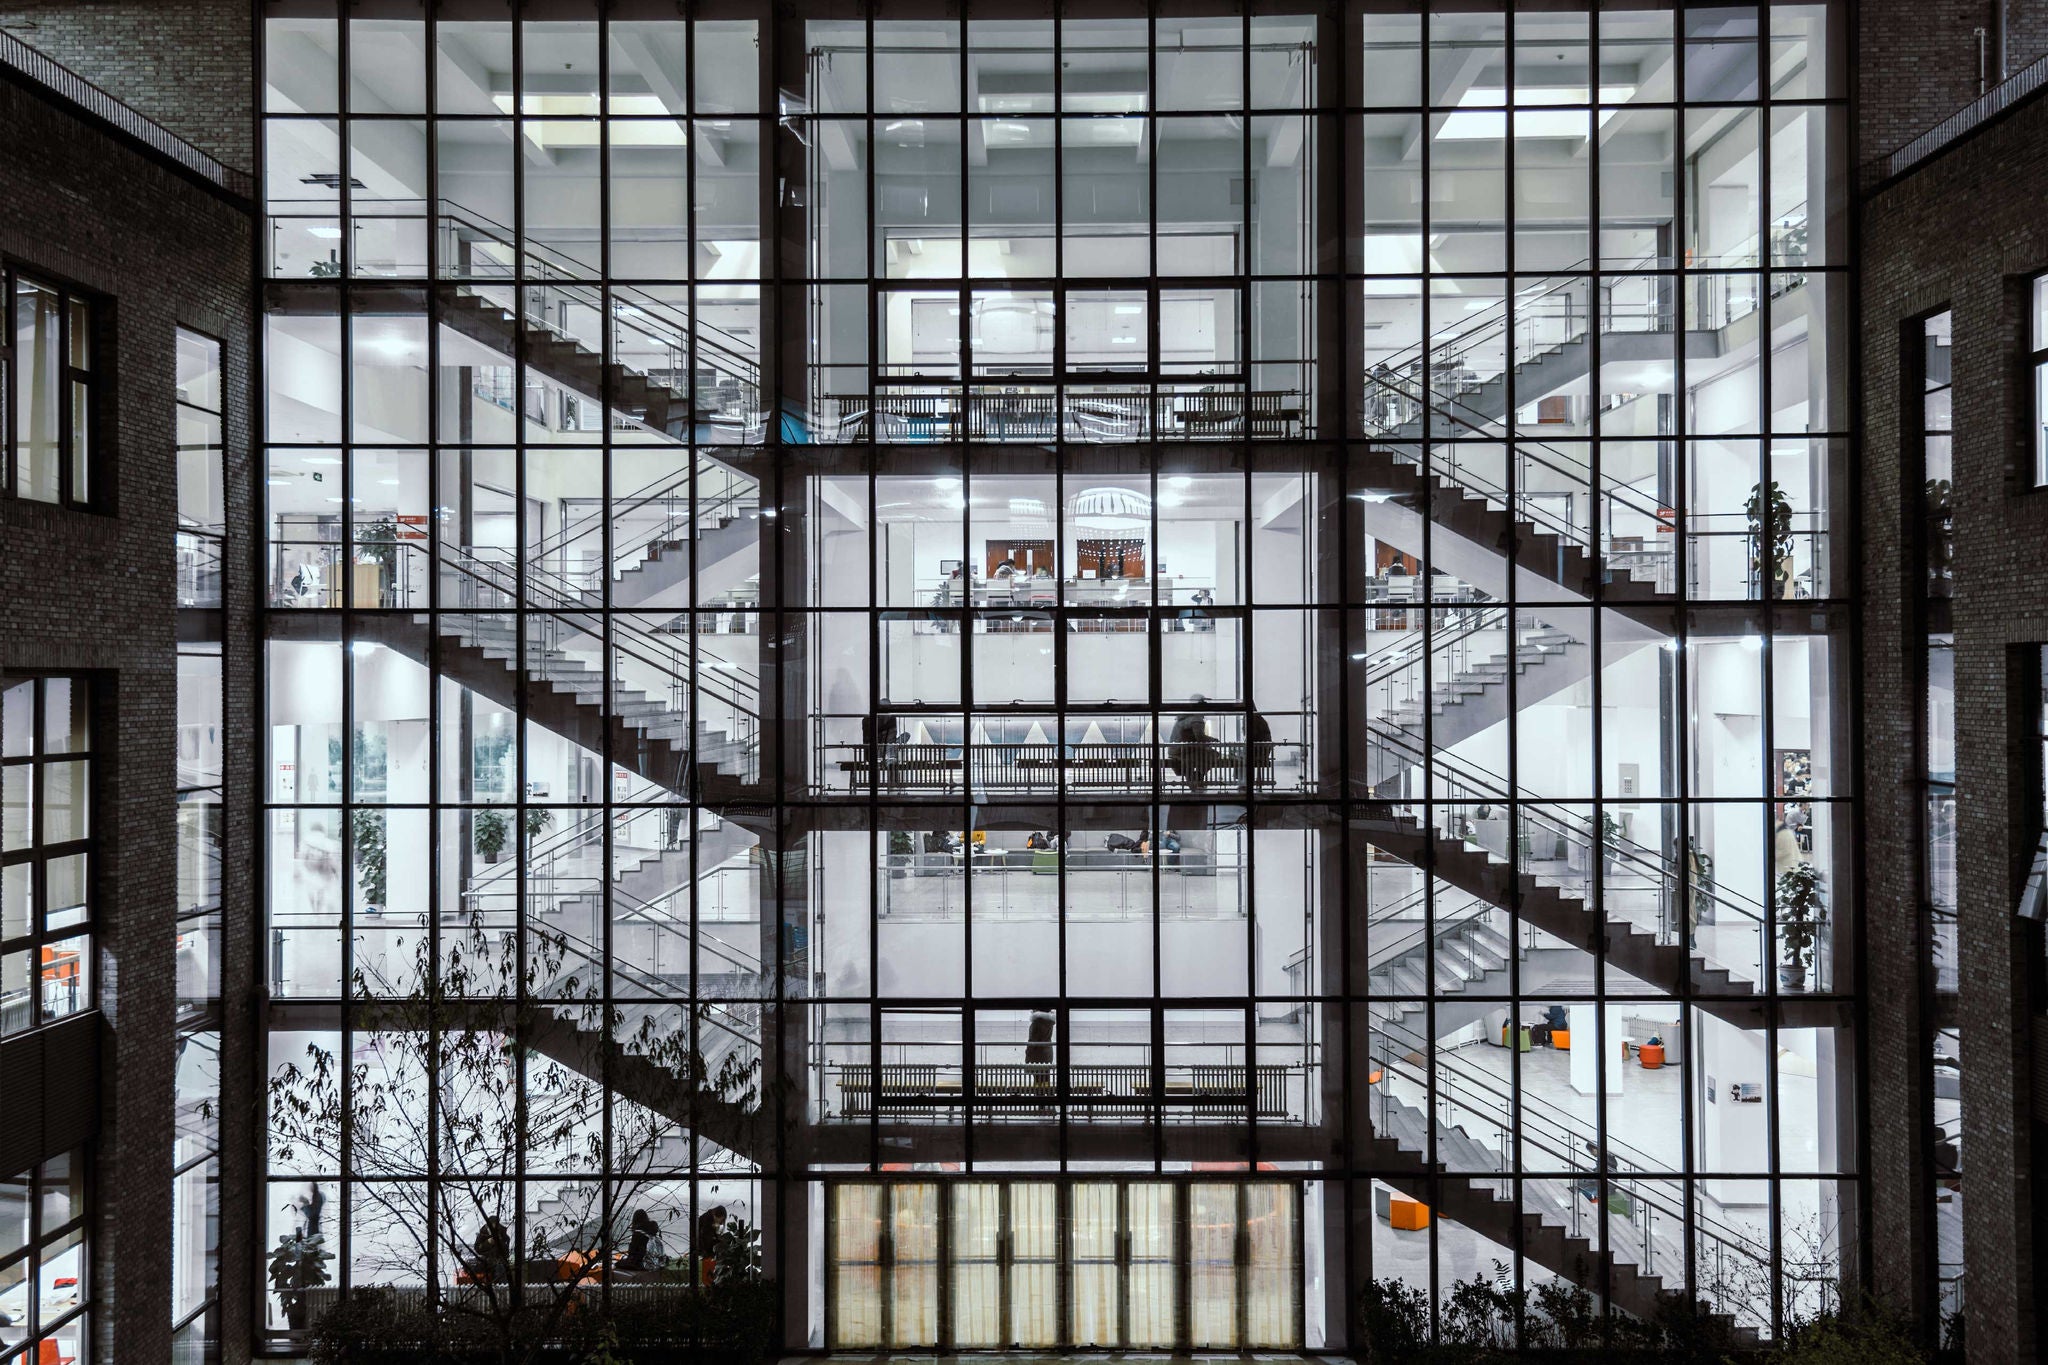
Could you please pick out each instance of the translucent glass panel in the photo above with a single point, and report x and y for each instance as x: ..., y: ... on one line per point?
x: 1121, y: 1254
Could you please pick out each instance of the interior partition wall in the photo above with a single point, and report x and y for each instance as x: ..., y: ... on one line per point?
x: 1008, y: 619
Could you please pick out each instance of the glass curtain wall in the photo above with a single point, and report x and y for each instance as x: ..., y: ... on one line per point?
x: 1599, y: 641
x: 1305, y: 635
x: 512, y: 644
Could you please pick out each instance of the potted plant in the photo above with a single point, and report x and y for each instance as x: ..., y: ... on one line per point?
x: 1770, y: 538
x: 1610, y: 842
x: 735, y: 1252
x: 377, y: 543
x: 298, y: 1263
x: 899, y: 854
x: 538, y: 822
x: 490, y: 830
x: 1802, y: 911
x: 366, y: 830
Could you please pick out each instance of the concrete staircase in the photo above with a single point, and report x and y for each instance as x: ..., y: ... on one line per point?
x: 1555, y: 903
x: 661, y: 401
x: 1556, y: 1226
x: 571, y: 697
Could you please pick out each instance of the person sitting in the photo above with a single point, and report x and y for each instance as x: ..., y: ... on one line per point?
x: 645, y: 1231
x: 493, y: 1247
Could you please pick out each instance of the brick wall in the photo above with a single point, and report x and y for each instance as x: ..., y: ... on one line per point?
x: 1918, y: 61
x: 1959, y: 233
x: 185, y: 64
x: 92, y: 592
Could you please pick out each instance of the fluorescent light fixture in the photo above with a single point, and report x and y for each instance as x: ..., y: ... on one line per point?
x: 1128, y: 310
x: 320, y: 459
x: 1180, y: 481
x: 325, y: 231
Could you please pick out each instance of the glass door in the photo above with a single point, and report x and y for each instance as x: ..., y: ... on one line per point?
x: 1034, y: 1248
x: 1097, y: 1287
x: 914, y: 1240
x: 977, y: 1265
x: 1154, y: 1264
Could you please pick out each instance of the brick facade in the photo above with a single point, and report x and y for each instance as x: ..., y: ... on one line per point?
x: 95, y: 593
x: 1917, y: 63
x: 184, y: 64
x: 1960, y: 232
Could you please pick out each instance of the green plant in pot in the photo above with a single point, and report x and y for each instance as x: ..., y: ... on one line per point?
x: 899, y: 853
x: 1770, y: 538
x: 297, y: 1263
x: 490, y: 830
x: 1802, y: 913
x: 366, y: 831
x: 377, y: 543
x: 538, y: 822
x: 1610, y: 841
x: 736, y: 1252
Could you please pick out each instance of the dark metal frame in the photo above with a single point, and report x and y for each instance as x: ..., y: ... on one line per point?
x: 71, y: 378
x: 84, y: 1208
x: 37, y: 854
x: 1338, y: 287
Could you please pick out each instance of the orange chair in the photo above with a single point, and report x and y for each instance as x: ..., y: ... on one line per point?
x: 1651, y: 1055
x: 1408, y: 1215
x: 1561, y: 1039
x: 47, y: 1348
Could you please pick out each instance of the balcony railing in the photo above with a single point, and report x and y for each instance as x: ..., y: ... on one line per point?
x: 1023, y: 1092
x: 1193, y: 767
x: 1209, y: 411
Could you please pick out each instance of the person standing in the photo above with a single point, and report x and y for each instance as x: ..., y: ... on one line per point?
x: 1187, y: 743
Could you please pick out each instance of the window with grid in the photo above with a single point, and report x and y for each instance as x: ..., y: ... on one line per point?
x: 48, y: 395
x: 45, y: 851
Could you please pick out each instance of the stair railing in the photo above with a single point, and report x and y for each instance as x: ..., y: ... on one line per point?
x: 1463, y: 795
x: 733, y: 688
x: 1397, y: 666
x: 1563, y: 1142
x: 1446, y: 924
x: 589, y: 962
x: 559, y: 270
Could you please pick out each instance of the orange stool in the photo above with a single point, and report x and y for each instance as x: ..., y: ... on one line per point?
x: 1407, y: 1215
x: 1561, y: 1039
x: 1652, y: 1055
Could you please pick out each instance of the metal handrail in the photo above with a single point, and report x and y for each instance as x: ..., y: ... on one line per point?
x: 644, y: 644
x: 567, y: 269
x: 90, y: 98
x: 1560, y: 1134
x: 1489, y: 789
